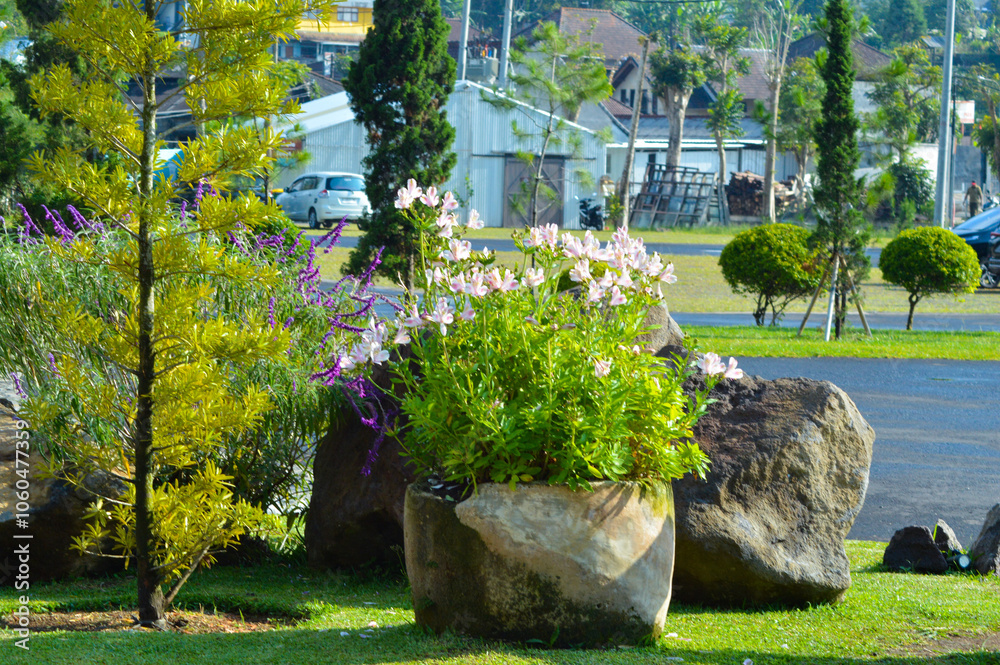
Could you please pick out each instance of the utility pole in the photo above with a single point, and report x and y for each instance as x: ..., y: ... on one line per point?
x: 463, y: 45
x: 508, y: 17
x: 944, y: 133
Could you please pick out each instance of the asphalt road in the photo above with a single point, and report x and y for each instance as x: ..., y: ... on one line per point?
x: 937, y: 445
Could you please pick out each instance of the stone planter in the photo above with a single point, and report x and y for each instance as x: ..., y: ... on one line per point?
x: 542, y: 562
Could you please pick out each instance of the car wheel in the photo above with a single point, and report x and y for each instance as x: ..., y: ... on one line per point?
x: 313, y: 220
x: 328, y: 224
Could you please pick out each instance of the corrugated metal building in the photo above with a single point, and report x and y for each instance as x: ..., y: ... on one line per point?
x: 487, y: 168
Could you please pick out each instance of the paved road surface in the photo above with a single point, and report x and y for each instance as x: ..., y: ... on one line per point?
x: 885, y: 321
x: 937, y: 446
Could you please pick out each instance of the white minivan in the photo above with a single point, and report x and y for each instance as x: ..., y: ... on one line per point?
x: 325, y: 197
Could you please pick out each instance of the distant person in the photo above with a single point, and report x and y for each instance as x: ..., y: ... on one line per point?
x: 974, y: 196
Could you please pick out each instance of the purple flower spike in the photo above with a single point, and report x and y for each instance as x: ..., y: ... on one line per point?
x: 270, y: 313
x: 28, y: 223
x: 18, y: 387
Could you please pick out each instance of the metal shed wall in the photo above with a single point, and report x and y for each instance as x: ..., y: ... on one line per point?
x: 483, y: 141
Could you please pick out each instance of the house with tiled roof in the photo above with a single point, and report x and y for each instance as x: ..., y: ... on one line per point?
x: 868, y: 60
x: 614, y: 36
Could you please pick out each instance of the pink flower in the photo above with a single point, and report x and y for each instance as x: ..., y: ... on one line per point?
x: 533, y: 277
x: 550, y: 234
x: 624, y: 280
x: 460, y: 249
x: 458, y: 283
x: 595, y: 294
x: 414, y: 320
x: 430, y: 197
x: 617, y: 297
x: 667, y: 275
x: 711, y: 364
x: 406, y: 197
x: 607, y: 279
x: 572, y: 247
x: 468, y: 314
x: 449, y: 202
x: 474, y: 221
x: 509, y: 282
x: 534, y: 238
x: 591, y: 245
x: 653, y: 266
x: 437, y: 276
x: 445, y: 222
x: 601, y: 367
x: 403, y: 199
x: 443, y: 315
x: 477, y: 285
x: 581, y: 271
x: 732, y: 372
x: 494, y: 279
x: 402, y: 337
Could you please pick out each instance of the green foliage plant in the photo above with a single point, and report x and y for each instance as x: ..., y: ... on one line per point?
x: 515, y: 381
x: 773, y: 264
x: 841, y: 228
x: 676, y: 73
x: 801, y: 107
x: 398, y: 88
x: 904, y: 22
x: 557, y: 73
x: 929, y: 260
x: 722, y: 46
x: 143, y: 377
x: 907, y: 98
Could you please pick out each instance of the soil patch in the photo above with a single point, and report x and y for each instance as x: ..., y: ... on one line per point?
x: 988, y: 642
x: 186, y: 622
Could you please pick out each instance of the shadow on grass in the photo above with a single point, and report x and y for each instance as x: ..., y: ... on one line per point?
x: 398, y: 644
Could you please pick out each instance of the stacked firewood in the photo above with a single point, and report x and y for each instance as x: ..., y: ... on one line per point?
x: 745, y: 194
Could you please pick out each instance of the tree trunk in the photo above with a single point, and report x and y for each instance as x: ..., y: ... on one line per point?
x: 913, y: 306
x: 769, y: 158
x: 624, y: 185
x: 722, y: 160
x: 677, y: 103
x: 150, y: 593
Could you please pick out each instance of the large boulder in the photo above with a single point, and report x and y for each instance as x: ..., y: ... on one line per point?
x: 665, y: 331
x: 55, y: 514
x: 913, y: 549
x: 542, y: 562
x: 790, y: 461
x: 356, y: 517
x: 985, y: 552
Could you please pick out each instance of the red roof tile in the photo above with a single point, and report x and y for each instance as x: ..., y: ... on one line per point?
x: 615, y: 36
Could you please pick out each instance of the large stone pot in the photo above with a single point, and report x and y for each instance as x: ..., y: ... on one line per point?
x: 542, y: 562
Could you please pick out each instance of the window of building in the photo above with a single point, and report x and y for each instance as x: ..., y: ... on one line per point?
x: 631, y: 97
x: 308, y: 51
x: 347, y: 14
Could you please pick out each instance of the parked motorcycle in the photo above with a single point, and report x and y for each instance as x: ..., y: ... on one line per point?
x: 991, y: 266
x: 990, y: 202
x: 591, y: 217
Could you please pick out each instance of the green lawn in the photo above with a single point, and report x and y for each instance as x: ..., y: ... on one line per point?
x: 887, y: 618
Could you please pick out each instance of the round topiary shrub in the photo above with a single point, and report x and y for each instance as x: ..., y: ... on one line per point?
x: 772, y: 263
x: 929, y: 260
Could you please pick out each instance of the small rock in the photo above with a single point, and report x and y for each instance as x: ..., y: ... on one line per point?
x: 912, y: 548
x: 985, y: 552
x: 946, y: 539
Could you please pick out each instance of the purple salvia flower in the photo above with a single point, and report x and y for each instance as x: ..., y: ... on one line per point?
x: 18, y: 388
x: 52, y: 364
x: 199, y: 193
x: 28, y: 223
x: 65, y: 235
x: 288, y: 323
x: 366, y: 276
x: 270, y: 313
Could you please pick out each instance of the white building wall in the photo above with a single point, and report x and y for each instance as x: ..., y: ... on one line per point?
x: 483, y: 140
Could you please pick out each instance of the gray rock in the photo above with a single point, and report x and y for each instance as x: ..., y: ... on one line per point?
x: 790, y: 461
x: 945, y: 538
x: 55, y: 515
x: 912, y: 549
x: 985, y: 551
x: 542, y: 562
x: 353, y: 518
x: 666, y: 332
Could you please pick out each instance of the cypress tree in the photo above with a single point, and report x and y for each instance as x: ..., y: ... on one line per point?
x: 398, y: 88
x: 840, y: 225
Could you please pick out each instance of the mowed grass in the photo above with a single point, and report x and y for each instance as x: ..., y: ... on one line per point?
x: 750, y: 341
x: 886, y: 618
x: 700, y: 287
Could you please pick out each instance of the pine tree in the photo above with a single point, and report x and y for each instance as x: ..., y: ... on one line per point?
x: 144, y: 377
x: 398, y: 88
x: 840, y: 226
